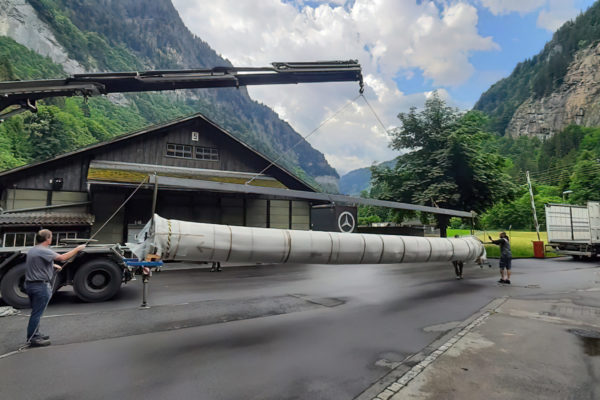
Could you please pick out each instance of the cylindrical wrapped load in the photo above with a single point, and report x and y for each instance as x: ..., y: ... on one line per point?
x: 191, y: 241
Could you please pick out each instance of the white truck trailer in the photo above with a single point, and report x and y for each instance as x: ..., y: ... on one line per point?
x: 574, y: 230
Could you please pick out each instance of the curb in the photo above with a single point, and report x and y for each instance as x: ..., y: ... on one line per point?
x: 412, y: 366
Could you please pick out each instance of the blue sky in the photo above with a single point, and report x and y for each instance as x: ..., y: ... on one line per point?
x: 518, y: 36
x: 407, y: 49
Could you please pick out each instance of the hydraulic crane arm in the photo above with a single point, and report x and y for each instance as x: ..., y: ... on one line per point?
x: 25, y: 94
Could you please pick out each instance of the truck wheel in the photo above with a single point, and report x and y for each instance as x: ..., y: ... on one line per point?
x: 97, y: 280
x: 12, y: 287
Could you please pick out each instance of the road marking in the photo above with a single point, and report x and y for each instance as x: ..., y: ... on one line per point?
x: 19, y: 350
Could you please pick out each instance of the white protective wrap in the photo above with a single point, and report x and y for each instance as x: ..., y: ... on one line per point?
x: 177, y: 240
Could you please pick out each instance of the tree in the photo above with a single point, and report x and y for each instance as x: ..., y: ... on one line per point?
x: 585, y: 181
x: 370, y: 214
x: 517, y: 213
x: 447, y: 167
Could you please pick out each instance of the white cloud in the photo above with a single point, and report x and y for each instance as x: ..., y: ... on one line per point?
x: 388, y: 37
x: 552, y: 13
x: 501, y: 7
x: 556, y: 13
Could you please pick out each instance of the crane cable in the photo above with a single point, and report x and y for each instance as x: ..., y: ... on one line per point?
x: 118, y: 209
x: 361, y: 94
x: 302, y: 139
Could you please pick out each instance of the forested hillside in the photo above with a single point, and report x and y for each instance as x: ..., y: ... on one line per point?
x: 355, y: 181
x: 543, y: 73
x: 108, y: 35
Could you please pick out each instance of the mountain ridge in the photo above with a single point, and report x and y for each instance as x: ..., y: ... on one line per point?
x: 536, y: 79
x: 137, y: 35
x: 354, y: 182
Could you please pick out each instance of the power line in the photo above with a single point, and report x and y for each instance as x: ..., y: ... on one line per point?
x: 555, y: 167
x: 558, y: 172
x: 581, y: 169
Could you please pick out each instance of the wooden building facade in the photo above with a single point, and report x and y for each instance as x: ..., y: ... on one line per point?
x: 76, y: 193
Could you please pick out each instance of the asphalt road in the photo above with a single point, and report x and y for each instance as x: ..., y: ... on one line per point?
x: 264, y: 332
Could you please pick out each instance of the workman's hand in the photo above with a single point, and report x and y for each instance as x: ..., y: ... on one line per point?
x: 80, y: 247
x: 57, y: 267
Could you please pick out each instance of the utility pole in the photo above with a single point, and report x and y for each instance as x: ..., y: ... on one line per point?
x: 537, y: 226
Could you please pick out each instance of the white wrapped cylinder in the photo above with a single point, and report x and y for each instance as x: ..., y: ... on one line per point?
x: 177, y: 240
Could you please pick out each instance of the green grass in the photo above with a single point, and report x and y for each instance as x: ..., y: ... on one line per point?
x: 520, y: 242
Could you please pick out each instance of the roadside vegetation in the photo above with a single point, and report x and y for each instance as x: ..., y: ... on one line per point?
x: 458, y: 163
x: 521, y: 242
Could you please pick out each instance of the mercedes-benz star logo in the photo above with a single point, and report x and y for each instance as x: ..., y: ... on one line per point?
x: 346, y: 222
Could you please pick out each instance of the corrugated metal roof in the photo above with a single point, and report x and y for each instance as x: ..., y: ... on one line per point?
x: 46, y: 219
x: 118, y: 171
x: 190, y: 184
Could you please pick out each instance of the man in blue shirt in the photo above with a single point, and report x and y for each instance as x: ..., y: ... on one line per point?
x: 38, y: 282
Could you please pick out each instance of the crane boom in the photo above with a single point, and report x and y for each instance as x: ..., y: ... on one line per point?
x: 25, y: 94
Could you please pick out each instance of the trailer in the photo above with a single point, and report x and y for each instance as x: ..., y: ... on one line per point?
x: 96, y: 273
x: 574, y: 229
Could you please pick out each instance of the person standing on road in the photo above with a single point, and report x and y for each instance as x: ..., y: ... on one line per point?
x: 458, y: 269
x: 39, y: 276
x: 505, y: 257
x: 458, y: 266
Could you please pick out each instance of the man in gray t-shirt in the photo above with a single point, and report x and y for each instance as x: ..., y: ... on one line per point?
x: 40, y: 264
x: 38, y: 281
x: 505, y: 257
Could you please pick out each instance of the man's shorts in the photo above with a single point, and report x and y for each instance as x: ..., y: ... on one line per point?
x: 505, y: 263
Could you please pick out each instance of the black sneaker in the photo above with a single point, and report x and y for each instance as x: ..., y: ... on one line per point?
x: 39, y: 342
x: 501, y: 281
x: 507, y: 282
x: 41, y: 336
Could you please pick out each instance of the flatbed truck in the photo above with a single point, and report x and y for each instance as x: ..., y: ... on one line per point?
x: 96, y: 273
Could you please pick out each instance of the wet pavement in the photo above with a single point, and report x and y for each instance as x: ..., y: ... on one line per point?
x: 268, y: 331
x: 520, y: 349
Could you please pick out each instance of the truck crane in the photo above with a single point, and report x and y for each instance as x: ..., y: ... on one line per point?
x: 97, y: 273
x: 21, y: 96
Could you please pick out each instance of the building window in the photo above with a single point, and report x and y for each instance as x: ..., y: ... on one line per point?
x: 27, y: 239
x: 58, y: 236
x: 207, y: 153
x: 179, y: 150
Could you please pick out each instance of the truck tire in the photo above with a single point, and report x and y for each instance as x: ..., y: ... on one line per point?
x: 97, y: 280
x: 12, y: 287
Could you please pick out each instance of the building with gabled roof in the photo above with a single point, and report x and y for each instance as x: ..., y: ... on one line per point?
x: 77, y: 192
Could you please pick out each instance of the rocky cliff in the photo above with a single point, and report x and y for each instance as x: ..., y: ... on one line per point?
x: 554, y: 88
x: 576, y: 101
x: 19, y: 21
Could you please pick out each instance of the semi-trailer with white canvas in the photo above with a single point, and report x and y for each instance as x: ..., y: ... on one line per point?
x: 574, y: 229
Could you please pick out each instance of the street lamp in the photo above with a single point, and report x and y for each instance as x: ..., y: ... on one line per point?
x: 566, y: 192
